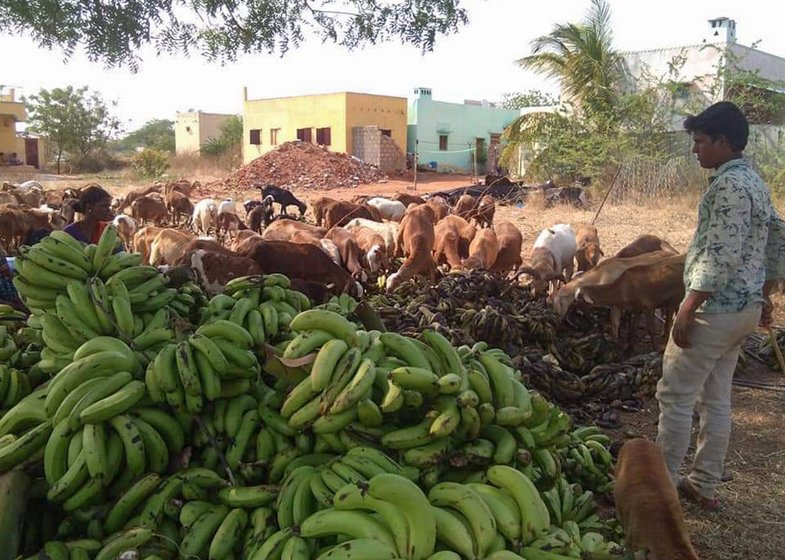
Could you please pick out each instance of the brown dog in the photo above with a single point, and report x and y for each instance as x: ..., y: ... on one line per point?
x: 647, y: 504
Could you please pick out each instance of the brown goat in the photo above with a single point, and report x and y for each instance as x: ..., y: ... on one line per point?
x: 178, y: 205
x: 639, y: 284
x: 588, y: 253
x: 483, y: 250
x: 168, y: 245
x: 284, y: 229
x: 350, y: 251
x: 143, y: 241
x: 453, y: 237
x: 645, y: 243
x: 148, y: 209
x: 647, y: 504
x: 299, y: 260
x: 319, y: 207
x: 416, y: 240
x: 373, y: 246
x: 510, y: 242
x: 465, y: 206
x: 407, y: 198
x: 339, y: 213
x: 484, y: 212
x: 439, y: 206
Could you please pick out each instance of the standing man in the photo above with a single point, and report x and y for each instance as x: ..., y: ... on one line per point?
x: 736, y: 254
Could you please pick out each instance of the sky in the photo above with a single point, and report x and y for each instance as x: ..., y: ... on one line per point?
x: 475, y: 63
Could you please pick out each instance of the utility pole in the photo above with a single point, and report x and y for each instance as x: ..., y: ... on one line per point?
x: 474, y: 160
x: 416, y: 152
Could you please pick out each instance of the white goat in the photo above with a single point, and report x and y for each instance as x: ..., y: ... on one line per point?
x: 205, y: 215
x: 388, y: 231
x: 392, y: 210
x: 126, y: 229
x: 552, y: 258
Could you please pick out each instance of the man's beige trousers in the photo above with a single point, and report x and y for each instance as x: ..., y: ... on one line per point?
x: 702, y: 375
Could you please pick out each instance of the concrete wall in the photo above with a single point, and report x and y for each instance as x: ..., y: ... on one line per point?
x: 340, y: 112
x: 462, y: 123
x: 11, y: 112
x: 699, y: 66
x: 7, y: 134
x: 385, y: 112
x: 371, y: 146
x: 193, y: 129
x: 287, y: 114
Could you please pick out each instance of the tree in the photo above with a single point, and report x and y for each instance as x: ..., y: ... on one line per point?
x: 222, y: 29
x: 74, y: 121
x: 157, y: 134
x: 528, y: 98
x: 582, y: 58
x: 230, y: 140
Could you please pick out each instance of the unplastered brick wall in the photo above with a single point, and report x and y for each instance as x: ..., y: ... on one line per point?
x: 373, y: 147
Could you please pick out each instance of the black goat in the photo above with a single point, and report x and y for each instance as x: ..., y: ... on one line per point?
x: 283, y: 197
x: 261, y: 214
x: 250, y: 205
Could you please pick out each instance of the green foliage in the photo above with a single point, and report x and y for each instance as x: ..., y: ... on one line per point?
x: 223, y: 29
x: 150, y: 163
x: 157, y: 134
x: 74, y: 121
x: 528, y: 98
x: 581, y: 57
x: 230, y: 140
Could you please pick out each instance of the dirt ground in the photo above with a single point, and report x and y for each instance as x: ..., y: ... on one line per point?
x: 751, y: 523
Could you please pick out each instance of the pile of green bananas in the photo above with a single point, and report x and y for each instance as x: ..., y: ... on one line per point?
x: 10, y: 315
x: 254, y: 425
x: 92, y: 290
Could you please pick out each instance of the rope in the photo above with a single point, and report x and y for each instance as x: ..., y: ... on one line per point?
x: 444, y: 151
x: 607, y: 194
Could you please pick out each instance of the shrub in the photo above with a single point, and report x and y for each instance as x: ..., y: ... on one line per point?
x: 150, y: 163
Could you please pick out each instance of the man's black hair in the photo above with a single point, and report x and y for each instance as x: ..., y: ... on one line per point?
x: 721, y: 119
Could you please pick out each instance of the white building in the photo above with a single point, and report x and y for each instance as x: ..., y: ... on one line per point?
x: 698, y: 73
x: 192, y: 129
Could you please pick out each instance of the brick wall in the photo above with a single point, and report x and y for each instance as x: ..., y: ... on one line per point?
x: 373, y: 147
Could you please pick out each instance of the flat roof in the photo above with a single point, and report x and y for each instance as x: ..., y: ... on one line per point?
x: 326, y: 94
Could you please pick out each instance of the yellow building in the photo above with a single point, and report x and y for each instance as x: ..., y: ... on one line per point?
x: 27, y: 148
x: 372, y: 127
x: 193, y: 129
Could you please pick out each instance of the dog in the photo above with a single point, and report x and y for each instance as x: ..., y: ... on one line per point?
x: 647, y: 505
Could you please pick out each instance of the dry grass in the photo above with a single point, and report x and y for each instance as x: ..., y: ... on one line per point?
x: 751, y: 523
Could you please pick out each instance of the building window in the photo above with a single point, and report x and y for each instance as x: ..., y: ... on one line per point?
x: 304, y: 134
x: 443, y: 142
x: 386, y: 132
x: 256, y: 137
x: 274, y: 136
x: 323, y: 136
x: 188, y: 129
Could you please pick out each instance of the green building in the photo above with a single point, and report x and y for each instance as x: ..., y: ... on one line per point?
x: 450, y: 136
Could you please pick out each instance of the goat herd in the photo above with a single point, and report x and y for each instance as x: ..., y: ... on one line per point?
x: 352, y: 241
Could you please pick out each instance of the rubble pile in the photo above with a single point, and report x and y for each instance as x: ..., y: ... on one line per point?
x: 301, y: 165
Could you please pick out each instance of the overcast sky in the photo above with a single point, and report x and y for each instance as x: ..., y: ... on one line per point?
x: 475, y: 63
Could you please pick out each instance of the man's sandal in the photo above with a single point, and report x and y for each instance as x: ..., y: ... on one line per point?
x: 688, y: 490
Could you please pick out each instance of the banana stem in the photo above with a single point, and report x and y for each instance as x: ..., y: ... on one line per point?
x: 777, y: 351
x: 221, y: 457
